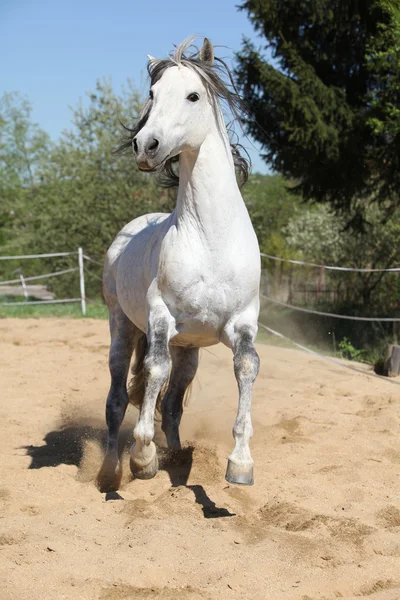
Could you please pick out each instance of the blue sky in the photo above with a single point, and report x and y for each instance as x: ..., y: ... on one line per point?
x: 53, y: 51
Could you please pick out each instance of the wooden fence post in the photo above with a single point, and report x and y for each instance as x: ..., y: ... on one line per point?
x: 393, y: 360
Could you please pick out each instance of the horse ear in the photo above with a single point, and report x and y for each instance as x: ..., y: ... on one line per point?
x: 207, y: 52
x: 151, y: 58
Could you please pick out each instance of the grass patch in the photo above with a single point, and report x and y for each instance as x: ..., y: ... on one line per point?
x: 94, y: 310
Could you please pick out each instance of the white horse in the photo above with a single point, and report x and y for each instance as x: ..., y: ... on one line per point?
x: 177, y: 282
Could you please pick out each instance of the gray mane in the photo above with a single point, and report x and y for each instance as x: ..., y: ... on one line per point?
x: 213, y: 78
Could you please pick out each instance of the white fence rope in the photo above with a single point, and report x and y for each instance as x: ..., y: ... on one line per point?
x: 37, y: 255
x: 326, y: 314
x: 44, y: 276
x: 81, y: 268
x: 96, y: 262
x: 40, y: 302
x: 330, y: 267
x: 91, y: 274
x: 327, y: 358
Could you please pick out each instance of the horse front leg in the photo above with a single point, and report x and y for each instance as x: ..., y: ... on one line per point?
x: 144, y: 461
x: 246, y: 366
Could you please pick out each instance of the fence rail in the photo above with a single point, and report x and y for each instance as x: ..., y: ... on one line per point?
x: 334, y: 315
x: 330, y: 267
x: 24, y: 256
x: 40, y: 302
x: 82, y: 269
x: 44, y: 276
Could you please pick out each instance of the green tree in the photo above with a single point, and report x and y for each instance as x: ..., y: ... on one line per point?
x: 319, y: 235
x: 271, y: 206
x: 384, y: 65
x: 316, y: 106
x: 23, y: 148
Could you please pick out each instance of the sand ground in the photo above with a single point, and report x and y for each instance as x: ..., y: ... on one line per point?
x: 322, y: 520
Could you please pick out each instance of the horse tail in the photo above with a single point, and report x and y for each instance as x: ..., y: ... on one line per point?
x: 136, y: 385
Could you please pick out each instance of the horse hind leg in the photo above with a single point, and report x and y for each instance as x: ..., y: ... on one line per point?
x: 124, y: 337
x: 184, y: 366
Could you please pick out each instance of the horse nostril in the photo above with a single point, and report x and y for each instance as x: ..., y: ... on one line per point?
x: 153, y: 145
x: 135, y: 146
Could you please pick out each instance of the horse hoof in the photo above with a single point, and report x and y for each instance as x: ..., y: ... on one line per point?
x: 242, y: 475
x: 144, y: 464
x: 109, y: 477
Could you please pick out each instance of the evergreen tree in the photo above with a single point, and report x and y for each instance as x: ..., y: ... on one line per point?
x: 384, y: 66
x: 318, y: 106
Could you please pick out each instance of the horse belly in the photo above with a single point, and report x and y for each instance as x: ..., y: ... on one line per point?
x: 134, y: 266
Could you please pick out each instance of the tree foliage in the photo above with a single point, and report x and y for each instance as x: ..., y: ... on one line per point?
x: 271, y: 206
x: 82, y: 194
x: 23, y: 149
x: 384, y: 118
x: 319, y: 235
x: 325, y: 108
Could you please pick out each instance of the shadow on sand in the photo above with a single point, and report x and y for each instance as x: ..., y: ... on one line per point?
x: 178, y: 464
x: 66, y: 446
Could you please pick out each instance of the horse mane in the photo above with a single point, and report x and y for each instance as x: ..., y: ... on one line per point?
x: 218, y: 81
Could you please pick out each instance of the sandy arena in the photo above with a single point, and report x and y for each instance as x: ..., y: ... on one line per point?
x: 322, y: 520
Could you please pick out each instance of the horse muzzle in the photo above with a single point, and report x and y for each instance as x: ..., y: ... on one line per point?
x: 148, y: 165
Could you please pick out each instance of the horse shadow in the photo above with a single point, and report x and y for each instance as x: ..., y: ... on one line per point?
x: 178, y: 464
x: 66, y: 446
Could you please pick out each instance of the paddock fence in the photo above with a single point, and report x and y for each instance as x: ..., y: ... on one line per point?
x: 23, y: 283
x: 298, y: 300
x: 280, y: 291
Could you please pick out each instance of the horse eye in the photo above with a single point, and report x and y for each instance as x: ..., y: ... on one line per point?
x: 193, y: 97
x: 151, y: 95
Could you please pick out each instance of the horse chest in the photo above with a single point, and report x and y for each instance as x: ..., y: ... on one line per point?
x: 203, y: 292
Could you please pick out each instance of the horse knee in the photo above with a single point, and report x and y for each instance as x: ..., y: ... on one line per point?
x: 156, y: 371
x: 156, y: 368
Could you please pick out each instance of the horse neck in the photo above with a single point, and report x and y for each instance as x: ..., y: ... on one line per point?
x: 209, y: 199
